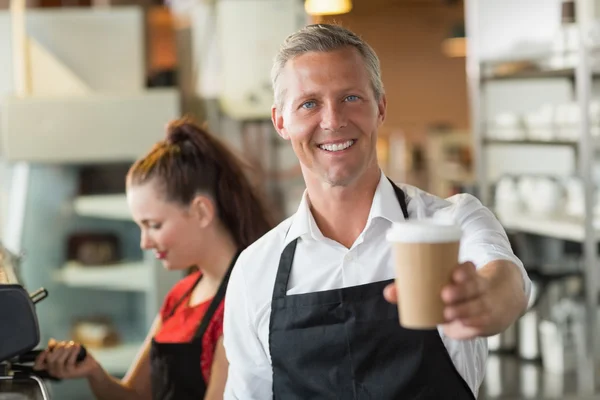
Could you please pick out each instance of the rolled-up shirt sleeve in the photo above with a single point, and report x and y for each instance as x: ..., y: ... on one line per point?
x: 250, y: 373
x: 484, y: 238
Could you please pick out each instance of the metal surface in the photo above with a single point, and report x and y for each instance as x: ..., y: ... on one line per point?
x: 529, y: 337
x: 583, y: 83
x: 505, y: 341
x: 476, y: 97
x: 23, y: 388
x: 509, y: 378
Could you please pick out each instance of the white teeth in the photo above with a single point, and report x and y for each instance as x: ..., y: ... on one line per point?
x: 337, y: 146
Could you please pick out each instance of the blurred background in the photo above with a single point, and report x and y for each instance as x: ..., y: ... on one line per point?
x: 497, y: 98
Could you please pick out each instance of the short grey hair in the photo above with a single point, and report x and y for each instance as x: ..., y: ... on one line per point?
x: 324, y: 38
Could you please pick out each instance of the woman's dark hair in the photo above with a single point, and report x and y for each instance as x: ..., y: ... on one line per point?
x: 191, y: 161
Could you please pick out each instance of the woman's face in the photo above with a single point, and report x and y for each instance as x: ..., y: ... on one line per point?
x: 170, y: 229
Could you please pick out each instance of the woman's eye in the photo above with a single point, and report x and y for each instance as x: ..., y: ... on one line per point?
x: 352, y: 98
x: 309, y: 104
x: 154, y: 226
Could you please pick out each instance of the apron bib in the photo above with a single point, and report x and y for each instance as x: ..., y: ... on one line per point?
x: 348, y: 344
x: 175, y: 367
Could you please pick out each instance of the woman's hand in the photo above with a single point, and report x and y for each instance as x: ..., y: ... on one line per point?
x: 60, y: 361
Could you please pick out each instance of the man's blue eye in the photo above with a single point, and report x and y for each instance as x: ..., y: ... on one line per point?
x: 308, y: 104
x: 352, y: 98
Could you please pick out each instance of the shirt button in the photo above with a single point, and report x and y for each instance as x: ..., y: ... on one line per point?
x: 349, y: 257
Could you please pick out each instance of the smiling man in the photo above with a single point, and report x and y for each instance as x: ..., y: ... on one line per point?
x: 310, y: 310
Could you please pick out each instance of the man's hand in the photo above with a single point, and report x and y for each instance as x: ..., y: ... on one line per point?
x: 468, y: 310
x: 472, y: 308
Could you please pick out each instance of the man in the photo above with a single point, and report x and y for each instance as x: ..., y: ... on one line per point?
x: 306, y: 316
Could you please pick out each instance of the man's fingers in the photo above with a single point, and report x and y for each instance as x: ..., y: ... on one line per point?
x: 390, y: 294
x: 466, y: 286
x: 476, y: 322
x: 464, y: 272
x: 459, y: 331
x: 458, y: 293
x: 467, y: 310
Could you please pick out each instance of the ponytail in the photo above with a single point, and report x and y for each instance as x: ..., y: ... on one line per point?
x: 191, y: 161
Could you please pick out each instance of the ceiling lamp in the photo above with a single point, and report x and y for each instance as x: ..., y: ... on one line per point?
x: 455, y: 45
x: 327, y: 7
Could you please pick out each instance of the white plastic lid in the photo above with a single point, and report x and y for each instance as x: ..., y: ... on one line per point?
x: 424, y: 231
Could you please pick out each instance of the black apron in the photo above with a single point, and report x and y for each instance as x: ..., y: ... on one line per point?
x: 348, y: 344
x: 175, y: 367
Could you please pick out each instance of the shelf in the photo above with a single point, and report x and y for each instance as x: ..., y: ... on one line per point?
x: 116, y: 360
x: 489, y: 142
x: 113, y: 206
x: 530, y: 142
x: 133, y: 277
x: 540, y: 67
x: 533, y: 73
x: 559, y: 227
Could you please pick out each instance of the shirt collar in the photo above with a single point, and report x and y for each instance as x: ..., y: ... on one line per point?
x: 385, y: 205
x: 303, y: 223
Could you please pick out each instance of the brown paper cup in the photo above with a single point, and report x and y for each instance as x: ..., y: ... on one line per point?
x: 425, y: 254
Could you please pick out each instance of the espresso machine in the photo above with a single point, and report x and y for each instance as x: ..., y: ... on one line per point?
x: 19, y: 335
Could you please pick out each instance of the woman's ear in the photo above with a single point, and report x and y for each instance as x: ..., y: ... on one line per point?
x: 203, y: 209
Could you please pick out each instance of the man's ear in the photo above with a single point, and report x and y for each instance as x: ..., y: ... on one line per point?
x: 277, y: 118
x: 382, y: 107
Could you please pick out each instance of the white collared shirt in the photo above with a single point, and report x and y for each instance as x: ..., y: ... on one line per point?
x: 323, y: 264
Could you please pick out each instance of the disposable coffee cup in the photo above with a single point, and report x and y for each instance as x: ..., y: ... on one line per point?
x: 425, y: 253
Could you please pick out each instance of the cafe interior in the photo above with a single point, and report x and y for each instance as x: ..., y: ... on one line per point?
x: 496, y: 98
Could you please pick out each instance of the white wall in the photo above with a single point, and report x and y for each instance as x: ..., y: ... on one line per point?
x: 104, y: 48
x: 509, y: 28
x: 521, y: 29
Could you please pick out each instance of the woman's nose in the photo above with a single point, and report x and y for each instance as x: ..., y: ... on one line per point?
x: 145, y: 242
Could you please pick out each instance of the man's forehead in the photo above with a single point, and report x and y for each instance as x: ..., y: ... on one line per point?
x: 309, y: 76
x: 347, y: 54
x: 318, y: 73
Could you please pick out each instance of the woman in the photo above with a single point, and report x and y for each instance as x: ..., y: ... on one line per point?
x: 194, y: 207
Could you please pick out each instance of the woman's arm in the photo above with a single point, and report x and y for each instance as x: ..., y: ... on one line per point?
x: 136, y: 384
x: 60, y: 361
x: 218, y: 373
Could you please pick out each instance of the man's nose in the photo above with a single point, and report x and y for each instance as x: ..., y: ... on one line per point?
x: 333, y: 117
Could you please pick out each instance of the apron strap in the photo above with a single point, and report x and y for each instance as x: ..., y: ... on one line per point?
x: 216, y: 301
x: 182, y: 298
x: 287, y: 256
x: 401, y: 196
x: 284, y: 270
